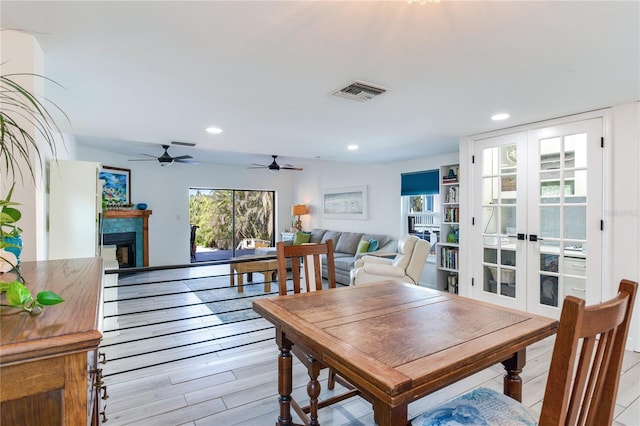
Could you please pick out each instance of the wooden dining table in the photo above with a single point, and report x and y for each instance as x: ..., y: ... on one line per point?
x: 398, y: 342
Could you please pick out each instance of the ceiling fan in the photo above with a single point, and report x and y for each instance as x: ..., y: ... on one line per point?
x: 166, y: 160
x: 274, y: 166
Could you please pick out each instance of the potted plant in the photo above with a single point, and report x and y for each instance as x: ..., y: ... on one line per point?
x: 10, y: 239
x: 22, y: 117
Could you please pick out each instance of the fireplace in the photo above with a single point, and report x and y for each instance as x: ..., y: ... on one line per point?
x: 125, y: 243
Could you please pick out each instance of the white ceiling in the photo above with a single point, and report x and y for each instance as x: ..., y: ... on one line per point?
x: 139, y: 72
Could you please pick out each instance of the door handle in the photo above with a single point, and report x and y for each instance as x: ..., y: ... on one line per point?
x: 522, y: 237
x: 534, y: 237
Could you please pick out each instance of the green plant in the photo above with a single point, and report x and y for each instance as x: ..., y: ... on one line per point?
x: 22, y: 117
x: 9, y: 216
x: 19, y: 296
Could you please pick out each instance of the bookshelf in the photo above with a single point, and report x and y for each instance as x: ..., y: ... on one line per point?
x: 447, y: 255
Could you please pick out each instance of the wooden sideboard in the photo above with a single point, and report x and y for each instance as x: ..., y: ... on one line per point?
x: 48, y: 362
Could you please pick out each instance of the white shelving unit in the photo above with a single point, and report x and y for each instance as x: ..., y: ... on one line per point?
x: 447, y: 254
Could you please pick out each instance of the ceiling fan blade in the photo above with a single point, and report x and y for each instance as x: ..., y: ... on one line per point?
x: 291, y: 168
x: 144, y: 159
x: 148, y: 155
x: 185, y: 161
x: 182, y: 157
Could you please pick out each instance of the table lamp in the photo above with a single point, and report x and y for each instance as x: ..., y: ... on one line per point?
x: 299, y: 210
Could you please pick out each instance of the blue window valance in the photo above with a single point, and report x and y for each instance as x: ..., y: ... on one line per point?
x: 420, y: 183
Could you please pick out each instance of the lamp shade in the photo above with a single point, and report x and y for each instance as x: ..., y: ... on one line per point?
x: 299, y: 209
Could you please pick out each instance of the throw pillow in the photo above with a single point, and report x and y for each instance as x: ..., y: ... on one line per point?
x: 373, y: 245
x: 363, y: 246
x: 301, y: 238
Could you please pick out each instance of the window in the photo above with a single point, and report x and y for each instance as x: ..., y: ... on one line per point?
x: 421, y: 202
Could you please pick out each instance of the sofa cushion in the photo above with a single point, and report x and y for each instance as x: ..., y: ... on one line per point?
x: 331, y: 235
x: 348, y: 242
x: 382, y: 239
x: 344, y: 263
x: 363, y: 246
x: 316, y: 235
x: 301, y: 238
x: 373, y: 245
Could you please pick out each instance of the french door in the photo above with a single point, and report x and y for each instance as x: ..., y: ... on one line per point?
x: 538, y: 210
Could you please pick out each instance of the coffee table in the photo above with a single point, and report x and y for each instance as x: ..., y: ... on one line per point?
x: 267, y: 267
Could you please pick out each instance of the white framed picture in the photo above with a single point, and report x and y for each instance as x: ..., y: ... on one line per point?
x: 345, y: 203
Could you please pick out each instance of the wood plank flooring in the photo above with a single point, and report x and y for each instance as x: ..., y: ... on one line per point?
x: 226, y: 374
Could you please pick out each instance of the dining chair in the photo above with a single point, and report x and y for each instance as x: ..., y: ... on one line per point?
x: 309, y: 256
x: 583, y: 377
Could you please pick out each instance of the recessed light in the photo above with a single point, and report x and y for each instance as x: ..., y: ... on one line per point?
x: 353, y: 147
x: 214, y: 130
x: 500, y: 116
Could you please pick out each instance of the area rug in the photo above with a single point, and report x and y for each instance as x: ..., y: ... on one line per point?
x: 226, y: 302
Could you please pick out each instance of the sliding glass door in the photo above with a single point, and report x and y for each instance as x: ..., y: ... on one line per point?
x: 226, y: 223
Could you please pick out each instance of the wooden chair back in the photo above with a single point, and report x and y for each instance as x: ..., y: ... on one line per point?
x: 587, y: 359
x: 312, y: 255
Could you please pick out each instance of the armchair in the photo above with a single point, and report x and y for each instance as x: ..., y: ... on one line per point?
x: 406, y: 267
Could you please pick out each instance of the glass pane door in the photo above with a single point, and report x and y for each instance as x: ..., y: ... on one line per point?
x: 565, y: 236
x: 226, y: 223
x: 502, y: 183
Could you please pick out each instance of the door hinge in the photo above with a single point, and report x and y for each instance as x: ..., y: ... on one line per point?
x: 473, y: 221
x: 601, y: 225
x: 473, y: 159
x: 602, y: 142
x: 472, y: 283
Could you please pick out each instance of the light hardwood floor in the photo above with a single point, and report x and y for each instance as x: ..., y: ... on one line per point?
x: 229, y: 377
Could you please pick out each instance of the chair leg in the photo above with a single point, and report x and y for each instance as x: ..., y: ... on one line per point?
x: 331, y: 380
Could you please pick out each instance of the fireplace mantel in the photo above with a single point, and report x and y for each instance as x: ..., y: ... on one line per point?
x: 132, y: 214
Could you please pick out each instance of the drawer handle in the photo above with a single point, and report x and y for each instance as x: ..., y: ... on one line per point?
x: 104, y: 415
x: 103, y: 357
x: 105, y: 395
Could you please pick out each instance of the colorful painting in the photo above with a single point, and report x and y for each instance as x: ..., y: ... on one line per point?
x: 117, y: 185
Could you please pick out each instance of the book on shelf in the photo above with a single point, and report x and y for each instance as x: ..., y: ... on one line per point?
x: 452, y: 283
x: 449, y: 258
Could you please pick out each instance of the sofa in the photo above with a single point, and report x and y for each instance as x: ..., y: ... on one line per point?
x: 345, y: 247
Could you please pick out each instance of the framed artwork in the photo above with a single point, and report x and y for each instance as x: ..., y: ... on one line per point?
x: 345, y: 203
x: 117, y: 185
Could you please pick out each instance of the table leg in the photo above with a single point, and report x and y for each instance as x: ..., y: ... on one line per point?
x: 285, y: 378
x: 250, y: 277
x: 268, y: 277
x: 385, y: 415
x: 232, y: 281
x: 313, y: 390
x: 512, y: 380
x: 240, y: 283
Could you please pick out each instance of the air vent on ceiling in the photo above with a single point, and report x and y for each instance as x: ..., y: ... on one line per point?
x: 183, y: 143
x: 360, y: 91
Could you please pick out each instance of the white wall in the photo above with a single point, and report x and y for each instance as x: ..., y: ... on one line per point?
x: 166, y: 191
x: 21, y: 53
x: 624, y: 212
x: 383, y: 182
